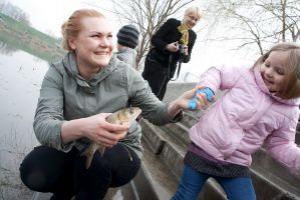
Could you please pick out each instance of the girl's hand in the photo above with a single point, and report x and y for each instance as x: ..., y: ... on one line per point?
x: 100, y: 131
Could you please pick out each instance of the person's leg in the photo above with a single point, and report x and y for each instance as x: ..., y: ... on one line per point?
x: 163, y: 87
x: 240, y: 188
x: 125, y: 164
x: 169, y: 73
x: 190, y: 184
x: 46, y: 169
x: 113, y: 169
x: 155, y: 74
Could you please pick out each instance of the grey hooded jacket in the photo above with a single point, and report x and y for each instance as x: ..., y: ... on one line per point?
x: 127, y: 55
x: 65, y: 95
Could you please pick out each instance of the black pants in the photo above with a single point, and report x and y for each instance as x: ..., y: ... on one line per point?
x: 158, y: 76
x: 46, y: 169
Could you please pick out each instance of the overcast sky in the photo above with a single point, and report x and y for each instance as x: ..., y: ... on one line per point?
x: 48, y: 15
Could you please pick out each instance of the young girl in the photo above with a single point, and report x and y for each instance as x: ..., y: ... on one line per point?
x: 260, y: 106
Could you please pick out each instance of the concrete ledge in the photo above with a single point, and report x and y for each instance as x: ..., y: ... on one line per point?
x: 174, y: 89
x: 190, y: 118
x: 143, y: 184
x: 156, y: 176
x: 267, y: 190
x: 179, y: 132
x: 173, y: 158
x: 152, y: 136
x: 275, y: 173
x: 41, y: 196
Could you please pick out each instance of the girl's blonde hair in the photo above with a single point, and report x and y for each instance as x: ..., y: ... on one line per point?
x: 194, y: 11
x: 291, y: 87
x: 72, y: 26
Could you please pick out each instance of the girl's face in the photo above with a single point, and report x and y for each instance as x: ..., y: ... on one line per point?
x: 274, y: 70
x: 93, y: 45
x: 190, y: 20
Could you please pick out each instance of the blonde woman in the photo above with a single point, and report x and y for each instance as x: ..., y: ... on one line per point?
x: 171, y: 44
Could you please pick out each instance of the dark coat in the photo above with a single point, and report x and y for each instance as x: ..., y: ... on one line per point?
x: 166, y: 34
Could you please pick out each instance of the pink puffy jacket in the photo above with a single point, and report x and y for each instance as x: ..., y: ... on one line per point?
x: 245, y: 117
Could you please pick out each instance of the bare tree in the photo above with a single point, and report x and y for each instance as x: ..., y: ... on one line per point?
x: 148, y: 16
x: 287, y: 15
x: 14, y: 12
x: 257, y: 22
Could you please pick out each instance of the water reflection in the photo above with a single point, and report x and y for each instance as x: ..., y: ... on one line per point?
x: 20, y: 79
x: 24, y: 56
x: 6, y: 49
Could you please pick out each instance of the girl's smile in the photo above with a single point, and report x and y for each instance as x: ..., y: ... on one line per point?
x: 274, y: 70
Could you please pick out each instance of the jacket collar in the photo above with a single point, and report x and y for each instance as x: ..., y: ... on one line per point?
x: 69, y: 62
x: 262, y: 86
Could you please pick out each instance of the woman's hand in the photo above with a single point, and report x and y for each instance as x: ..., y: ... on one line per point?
x: 200, y: 100
x: 95, y: 128
x: 186, y: 50
x: 172, y: 47
x: 182, y: 103
x: 100, y: 131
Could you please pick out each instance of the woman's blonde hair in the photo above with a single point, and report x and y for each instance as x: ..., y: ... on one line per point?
x: 194, y: 11
x: 72, y: 26
x: 291, y: 87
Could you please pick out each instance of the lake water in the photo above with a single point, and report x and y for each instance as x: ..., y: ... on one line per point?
x: 21, y: 75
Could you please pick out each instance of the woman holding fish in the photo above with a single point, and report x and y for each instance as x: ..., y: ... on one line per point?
x: 73, y: 116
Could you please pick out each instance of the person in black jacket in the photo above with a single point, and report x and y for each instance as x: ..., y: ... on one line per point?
x: 172, y: 44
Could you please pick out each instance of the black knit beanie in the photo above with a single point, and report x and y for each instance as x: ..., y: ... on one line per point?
x: 128, y: 36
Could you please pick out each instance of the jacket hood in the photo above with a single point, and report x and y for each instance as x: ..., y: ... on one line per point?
x: 262, y: 86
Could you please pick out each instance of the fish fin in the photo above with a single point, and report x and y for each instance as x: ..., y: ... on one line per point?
x: 86, y: 152
x: 90, y: 157
x: 101, y: 150
x: 88, y: 161
x: 89, y: 153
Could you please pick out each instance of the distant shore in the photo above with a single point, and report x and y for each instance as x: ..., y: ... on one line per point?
x: 21, y: 36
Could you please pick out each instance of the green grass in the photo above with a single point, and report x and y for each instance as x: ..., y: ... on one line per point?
x: 22, y: 27
x: 21, y: 36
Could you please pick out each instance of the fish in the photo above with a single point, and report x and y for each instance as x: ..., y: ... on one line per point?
x: 123, y: 116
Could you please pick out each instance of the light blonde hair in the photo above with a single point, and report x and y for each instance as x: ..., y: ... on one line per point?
x: 72, y: 26
x: 291, y: 86
x: 194, y: 11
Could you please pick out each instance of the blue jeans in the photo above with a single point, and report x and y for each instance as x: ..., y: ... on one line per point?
x: 192, y: 182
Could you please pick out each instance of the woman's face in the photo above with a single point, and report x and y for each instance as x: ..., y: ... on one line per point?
x: 93, y: 45
x: 190, y: 20
x: 274, y: 70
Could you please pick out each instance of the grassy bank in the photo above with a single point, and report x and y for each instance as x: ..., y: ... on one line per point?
x: 21, y: 36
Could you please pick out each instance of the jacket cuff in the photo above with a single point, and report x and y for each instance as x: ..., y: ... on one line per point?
x: 177, y: 117
x: 58, y: 143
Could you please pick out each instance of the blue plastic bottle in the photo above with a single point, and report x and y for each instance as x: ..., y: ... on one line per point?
x: 208, y: 93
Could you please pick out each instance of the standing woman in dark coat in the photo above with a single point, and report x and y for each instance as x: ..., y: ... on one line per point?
x: 172, y: 43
